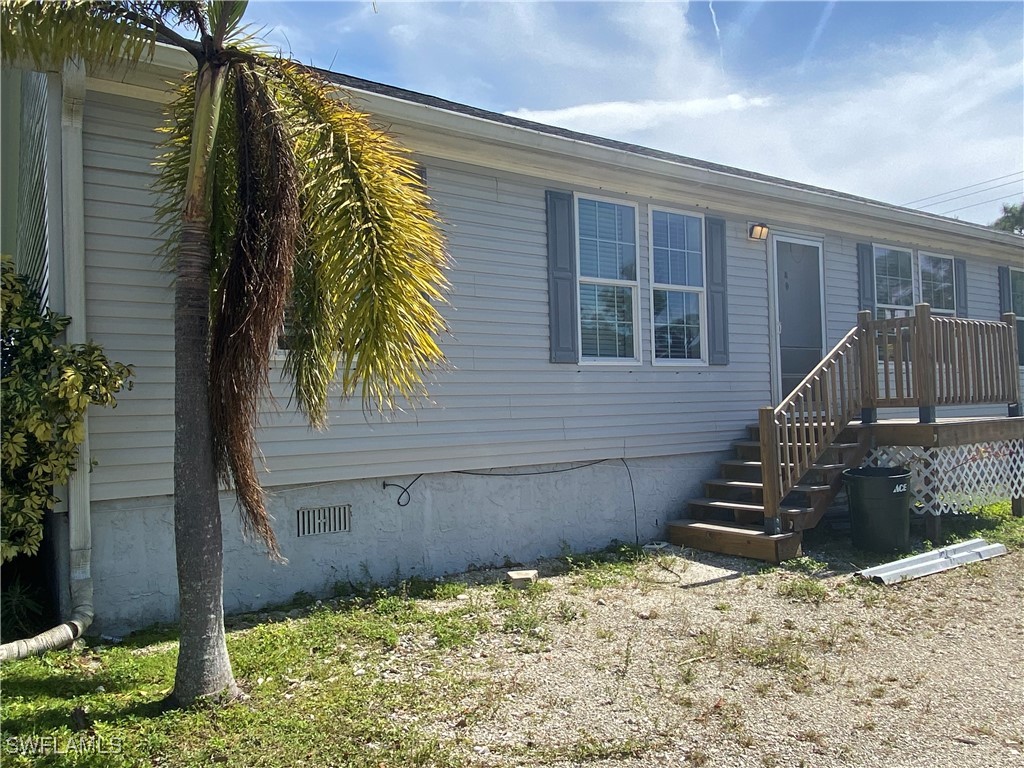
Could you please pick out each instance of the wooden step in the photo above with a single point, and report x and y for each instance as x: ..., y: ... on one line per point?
x: 734, y: 540
x: 739, y: 469
x: 747, y: 450
x: 838, y: 453
x: 738, y: 490
x: 802, y: 519
x: 740, y: 511
x: 823, y: 473
x: 809, y: 495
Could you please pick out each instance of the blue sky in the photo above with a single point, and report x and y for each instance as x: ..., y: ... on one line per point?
x: 895, y: 101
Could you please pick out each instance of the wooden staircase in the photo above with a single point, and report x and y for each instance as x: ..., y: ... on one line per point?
x: 788, y: 471
x: 730, y: 517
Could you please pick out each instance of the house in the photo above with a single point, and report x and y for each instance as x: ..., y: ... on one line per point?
x: 618, y: 316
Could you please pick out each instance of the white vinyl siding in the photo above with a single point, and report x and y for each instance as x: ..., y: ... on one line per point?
x: 606, y: 239
x: 677, y: 287
x: 500, y: 404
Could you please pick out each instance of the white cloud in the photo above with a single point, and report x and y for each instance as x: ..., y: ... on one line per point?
x: 616, y: 117
x: 896, y: 124
x: 897, y: 120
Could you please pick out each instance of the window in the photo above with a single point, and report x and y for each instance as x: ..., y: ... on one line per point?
x: 677, y: 295
x: 894, y: 282
x: 937, y: 283
x: 606, y: 238
x: 1017, y: 307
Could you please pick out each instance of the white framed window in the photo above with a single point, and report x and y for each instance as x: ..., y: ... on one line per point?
x: 894, y: 282
x: 938, y: 285
x: 607, y: 286
x: 1017, y: 307
x: 678, y: 301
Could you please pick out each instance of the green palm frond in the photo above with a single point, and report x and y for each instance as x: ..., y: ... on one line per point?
x: 104, y: 33
x: 173, y: 162
x: 370, y: 271
x: 303, y: 202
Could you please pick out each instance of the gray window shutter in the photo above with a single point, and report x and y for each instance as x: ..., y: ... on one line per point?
x: 866, y: 276
x: 960, y: 286
x: 718, y: 293
x: 1005, y: 303
x: 562, y: 277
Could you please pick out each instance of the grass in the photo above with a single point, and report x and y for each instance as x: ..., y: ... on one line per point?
x: 993, y: 522
x: 356, y: 681
x: 316, y: 692
x: 610, y: 567
x: 362, y: 681
x: 803, y: 589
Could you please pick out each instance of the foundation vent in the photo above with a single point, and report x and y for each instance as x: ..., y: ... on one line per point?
x: 311, y: 521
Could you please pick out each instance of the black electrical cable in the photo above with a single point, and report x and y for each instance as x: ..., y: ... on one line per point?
x: 404, y: 498
x: 405, y: 490
x: 527, y: 474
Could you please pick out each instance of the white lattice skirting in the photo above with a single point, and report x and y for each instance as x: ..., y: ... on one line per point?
x: 956, y: 479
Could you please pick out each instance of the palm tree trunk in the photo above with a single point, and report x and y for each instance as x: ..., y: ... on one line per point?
x: 204, y: 668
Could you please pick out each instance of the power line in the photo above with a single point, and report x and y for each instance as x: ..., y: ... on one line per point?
x: 960, y: 189
x: 975, y: 205
x: 969, y: 194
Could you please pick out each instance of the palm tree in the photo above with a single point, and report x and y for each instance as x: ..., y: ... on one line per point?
x: 276, y: 195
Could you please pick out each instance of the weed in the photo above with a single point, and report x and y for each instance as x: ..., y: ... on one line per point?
x: 723, y: 607
x: 776, y: 651
x: 593, y: 751
x: 568, y: 612
x: 754, y: 617
x: 707, y: 641
x: 805, y: 564
x: 20, y: 610
x: 813, y: 737
x: 994, y: 522
x: 803, y: 589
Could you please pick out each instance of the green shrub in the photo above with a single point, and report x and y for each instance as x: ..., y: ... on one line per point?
x: 46, y: 388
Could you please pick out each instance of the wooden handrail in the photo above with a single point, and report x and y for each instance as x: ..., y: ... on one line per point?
x: 921, y: 360
x: 794, y: 433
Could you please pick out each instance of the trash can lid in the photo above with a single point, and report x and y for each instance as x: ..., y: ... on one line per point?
x: 891, y: 472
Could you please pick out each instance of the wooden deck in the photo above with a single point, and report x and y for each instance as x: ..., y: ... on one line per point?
x: 944, y: 431
x: 790, y: 468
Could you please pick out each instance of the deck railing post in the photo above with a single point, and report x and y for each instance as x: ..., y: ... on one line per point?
x: 924, y: 363
x: 868, y: 368
x: 770, y: 469
x: 1014, y: 376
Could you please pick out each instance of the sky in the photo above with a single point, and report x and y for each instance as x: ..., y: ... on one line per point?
x: 918, y: 103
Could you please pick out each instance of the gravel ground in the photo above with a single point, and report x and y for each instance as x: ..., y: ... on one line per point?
x: 702, y: 659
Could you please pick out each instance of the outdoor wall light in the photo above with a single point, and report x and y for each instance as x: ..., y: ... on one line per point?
x: 758, y: 231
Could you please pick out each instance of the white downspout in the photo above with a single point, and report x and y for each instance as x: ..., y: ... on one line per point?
x: 73, y: 240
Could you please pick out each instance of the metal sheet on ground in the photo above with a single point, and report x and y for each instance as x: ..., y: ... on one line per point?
x: 932, y: 562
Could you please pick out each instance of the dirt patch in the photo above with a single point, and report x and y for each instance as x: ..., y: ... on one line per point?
x: 690, y: 658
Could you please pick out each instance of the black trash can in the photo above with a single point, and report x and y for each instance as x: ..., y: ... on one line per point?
x: 879, y: 508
